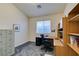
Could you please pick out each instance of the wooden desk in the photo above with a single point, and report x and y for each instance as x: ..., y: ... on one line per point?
x: 58, y: 48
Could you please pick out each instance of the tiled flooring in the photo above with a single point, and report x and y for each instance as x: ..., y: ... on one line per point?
x: 32, y: 50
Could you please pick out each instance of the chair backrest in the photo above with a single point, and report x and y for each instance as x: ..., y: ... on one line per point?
x: 42, y: 35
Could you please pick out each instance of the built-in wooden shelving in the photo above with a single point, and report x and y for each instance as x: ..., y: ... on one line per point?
x: 75, y: 48
x: 74, y: 34
x: 75, y: 18
x: 71, y: 30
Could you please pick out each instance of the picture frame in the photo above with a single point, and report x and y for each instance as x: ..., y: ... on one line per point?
x: 16, y: 27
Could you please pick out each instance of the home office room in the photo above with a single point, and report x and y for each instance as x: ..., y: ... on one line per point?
x: 39, y: 29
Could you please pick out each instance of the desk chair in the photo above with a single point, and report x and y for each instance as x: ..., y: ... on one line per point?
x: 47, y: 46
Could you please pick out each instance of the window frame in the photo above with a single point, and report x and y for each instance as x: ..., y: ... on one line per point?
x: 43, y: 32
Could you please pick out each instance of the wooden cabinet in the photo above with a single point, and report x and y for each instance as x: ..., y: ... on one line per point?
x: 59, y: 50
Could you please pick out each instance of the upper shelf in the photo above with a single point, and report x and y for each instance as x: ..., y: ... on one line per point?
x: 75, y: 18
x: 74, y: 34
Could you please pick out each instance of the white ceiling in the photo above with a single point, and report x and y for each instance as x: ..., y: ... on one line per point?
x: 31, y: 10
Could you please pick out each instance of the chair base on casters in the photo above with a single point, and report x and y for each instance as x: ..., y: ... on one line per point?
x: 47, y: 49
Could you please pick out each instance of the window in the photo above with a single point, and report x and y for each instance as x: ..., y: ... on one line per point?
x: 43, y: 27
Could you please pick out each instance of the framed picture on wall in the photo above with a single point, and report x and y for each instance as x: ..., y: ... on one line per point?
x: 16, y: 27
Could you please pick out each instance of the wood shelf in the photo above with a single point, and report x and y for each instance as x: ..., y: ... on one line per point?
x: 75, y: 48
x: 58, y: 43
x: 74, y: 34
x: 75, y: 18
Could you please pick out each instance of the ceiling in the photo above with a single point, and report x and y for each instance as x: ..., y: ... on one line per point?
x: 31, y: 10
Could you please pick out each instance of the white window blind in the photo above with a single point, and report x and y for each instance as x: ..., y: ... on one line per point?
x: 43, y: 27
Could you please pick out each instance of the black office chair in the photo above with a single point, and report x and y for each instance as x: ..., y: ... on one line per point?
x: 47, y: 46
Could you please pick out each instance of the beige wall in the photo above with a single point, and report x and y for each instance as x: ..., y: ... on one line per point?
x: 69, y: 7
x: 54, y: 21
x: 10, y: 15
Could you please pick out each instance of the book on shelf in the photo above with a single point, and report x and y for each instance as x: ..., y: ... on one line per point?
x: 77, y: 41
x: 73, y: 40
